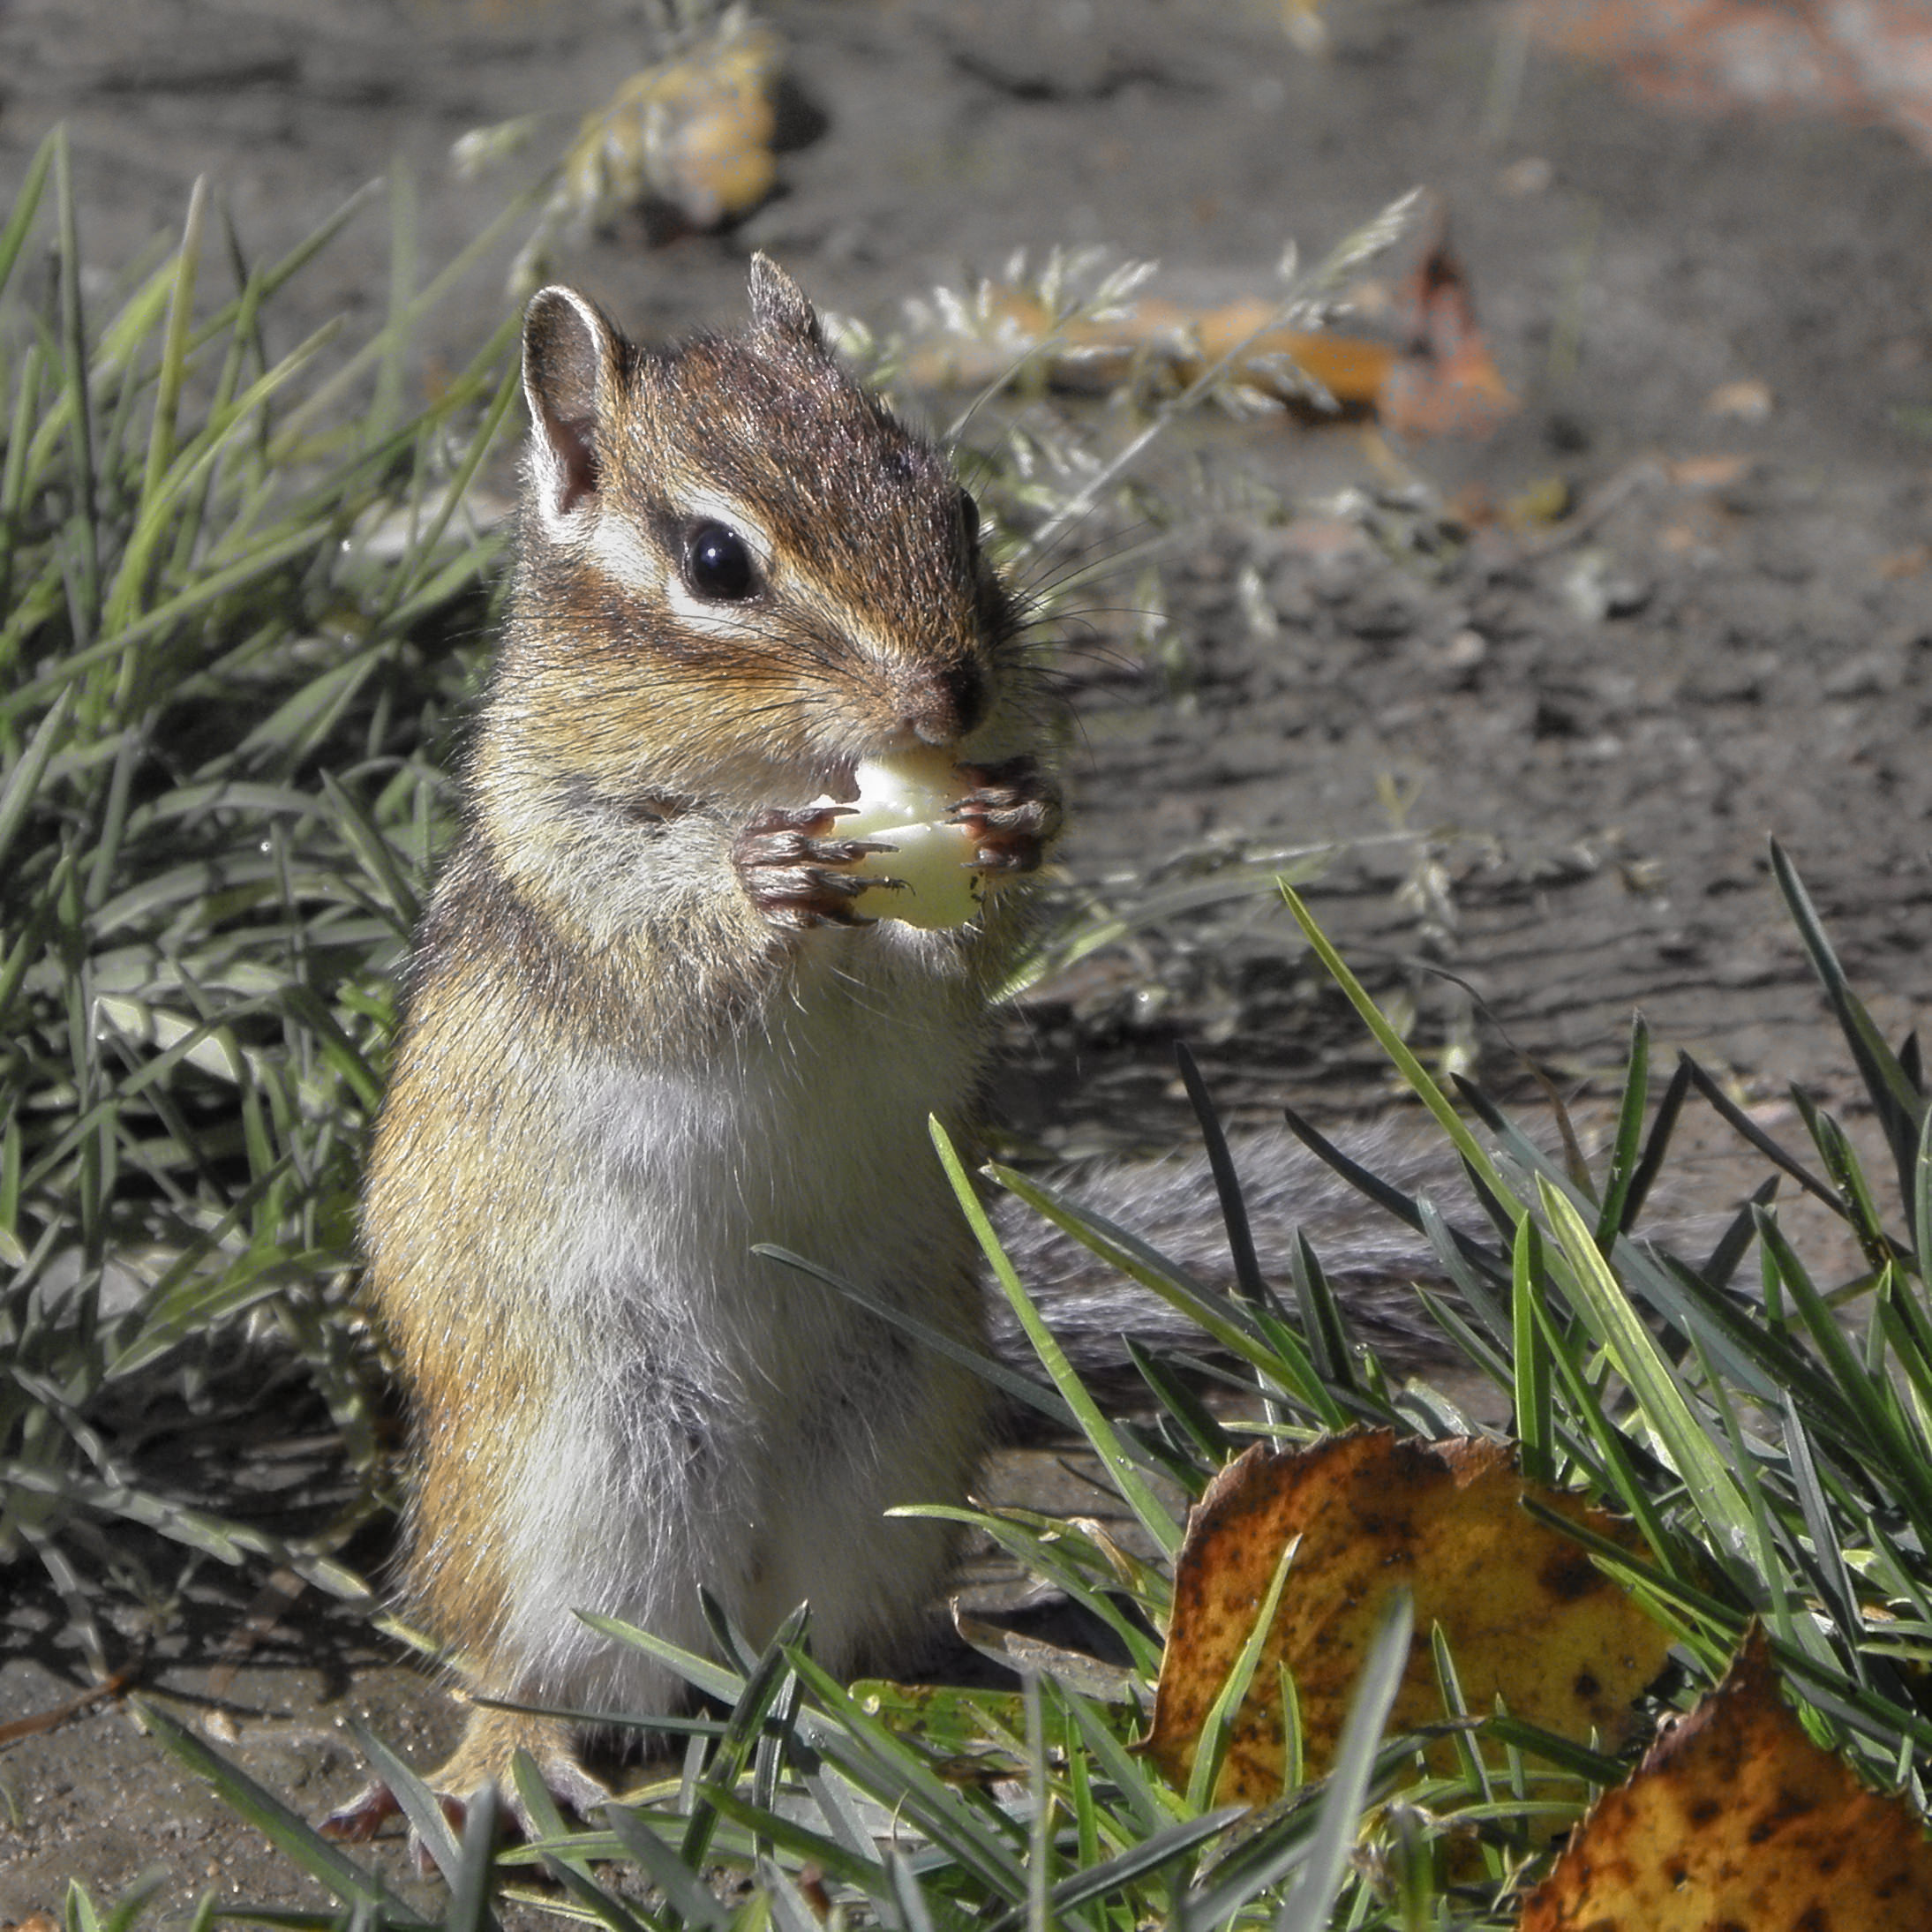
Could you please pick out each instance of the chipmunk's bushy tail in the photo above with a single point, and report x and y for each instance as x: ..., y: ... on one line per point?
x: 1370, y: 1257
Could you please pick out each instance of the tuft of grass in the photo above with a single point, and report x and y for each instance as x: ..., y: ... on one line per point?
x: 1775, y: 1464
x: 242, y: 591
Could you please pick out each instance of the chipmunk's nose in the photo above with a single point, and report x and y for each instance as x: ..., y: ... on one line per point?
x: 953, y: 701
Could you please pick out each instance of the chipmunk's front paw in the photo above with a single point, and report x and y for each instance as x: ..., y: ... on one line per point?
x: 490, y: 1742
x: 789, y: 864
x: 1011, y: 814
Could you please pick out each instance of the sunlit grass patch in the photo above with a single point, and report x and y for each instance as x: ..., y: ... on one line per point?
x: 242, y: 597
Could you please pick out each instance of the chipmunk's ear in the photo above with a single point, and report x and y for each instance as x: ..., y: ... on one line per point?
x: 778, y: 306
x: 571, y: 364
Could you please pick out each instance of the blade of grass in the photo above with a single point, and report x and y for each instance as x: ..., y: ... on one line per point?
x: 287, y: 438
x: 1921, y: 1203
x: 410, y: 579
x: 418, y: 1802
x: 1147, y: 1507
x: 1534, y: 1413
x: 1835, y: 1578
x: 1043, y: 1551
x: 1614, y: 1470
x: 19, y: 793
x: 1323, y: 1322
x: 1611, y: 1219
x: 685, y: 1893
x: 193, y: 463
x: 766, y: 1681
x: 1167, y: 1847
x: 1600, y: 1297
x: 1214, y: 1313
x: 1318, y: 1885
x: 557, y: 1846
x: 84, y: 596
x: 1234, y: 1210
x: 712, y: 1678
x: 27, y: 204
x: 1899, y: 1105
x: 292, y: 1835
x: 1021, y: 1389
x: 1217, y: 1727
x: 978, y: 1836
x: 1657, y: 1144
x: 1734, y: 1244
x: 162, y: 617
x: 1681, y: 1591
x: 1040, y: 1845
x: 1882, y: 1438
x: 1397, y: 1049
x: 1740, y: 1122
x: 468, y: 1908
x: 360, y: 833
x: 161, y: 438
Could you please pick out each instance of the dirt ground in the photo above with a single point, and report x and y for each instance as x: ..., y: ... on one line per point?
x: 1599, y: 723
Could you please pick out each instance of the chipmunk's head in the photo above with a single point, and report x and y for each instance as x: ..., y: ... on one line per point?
x: 742, y: 573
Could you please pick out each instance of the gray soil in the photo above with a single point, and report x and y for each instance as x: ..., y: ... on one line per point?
x: 1598, y: 726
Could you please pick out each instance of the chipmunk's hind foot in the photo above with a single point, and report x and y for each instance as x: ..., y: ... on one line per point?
x: 490, y: 1742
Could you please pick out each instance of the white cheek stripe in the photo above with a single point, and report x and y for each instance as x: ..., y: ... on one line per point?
x: 616, y: 545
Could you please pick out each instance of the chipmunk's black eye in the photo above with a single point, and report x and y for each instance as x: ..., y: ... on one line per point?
x: 718, y: 564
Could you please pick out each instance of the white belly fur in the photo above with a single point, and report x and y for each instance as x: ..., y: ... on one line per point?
x: 745, y: 1427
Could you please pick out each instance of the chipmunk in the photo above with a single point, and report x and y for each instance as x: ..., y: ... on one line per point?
x: 647, y: 1028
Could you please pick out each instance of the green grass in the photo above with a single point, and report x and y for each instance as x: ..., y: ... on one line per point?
x: 241, y: 606
x: 1777, y: 1468
x: 240, y: 609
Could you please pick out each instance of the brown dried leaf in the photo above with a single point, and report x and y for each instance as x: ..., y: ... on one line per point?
x: 1527, y: 1615
x: 1446, y: 383
x: 1857, y: 60
x: 1736, y: 1819
x: 1438, y: 381
x: 1156, y: 336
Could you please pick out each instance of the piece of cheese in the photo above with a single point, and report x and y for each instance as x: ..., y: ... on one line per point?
x: 903, y: 800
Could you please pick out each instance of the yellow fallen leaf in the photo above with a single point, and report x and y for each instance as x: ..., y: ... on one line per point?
x: 693, y: 132
x: 1736, y: 1820
x: 1539, y: 505
x: 1438, y: 380
x: 1528, y: 1616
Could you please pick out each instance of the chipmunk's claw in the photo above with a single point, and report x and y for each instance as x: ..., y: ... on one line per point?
x: 1013, y: 815
x: 361, y: 1821
x: 363, y: 1816
x: 788, y: 863
x: 482, y: 1759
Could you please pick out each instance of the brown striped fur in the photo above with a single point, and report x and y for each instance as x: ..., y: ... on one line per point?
x: 636, y: 1042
